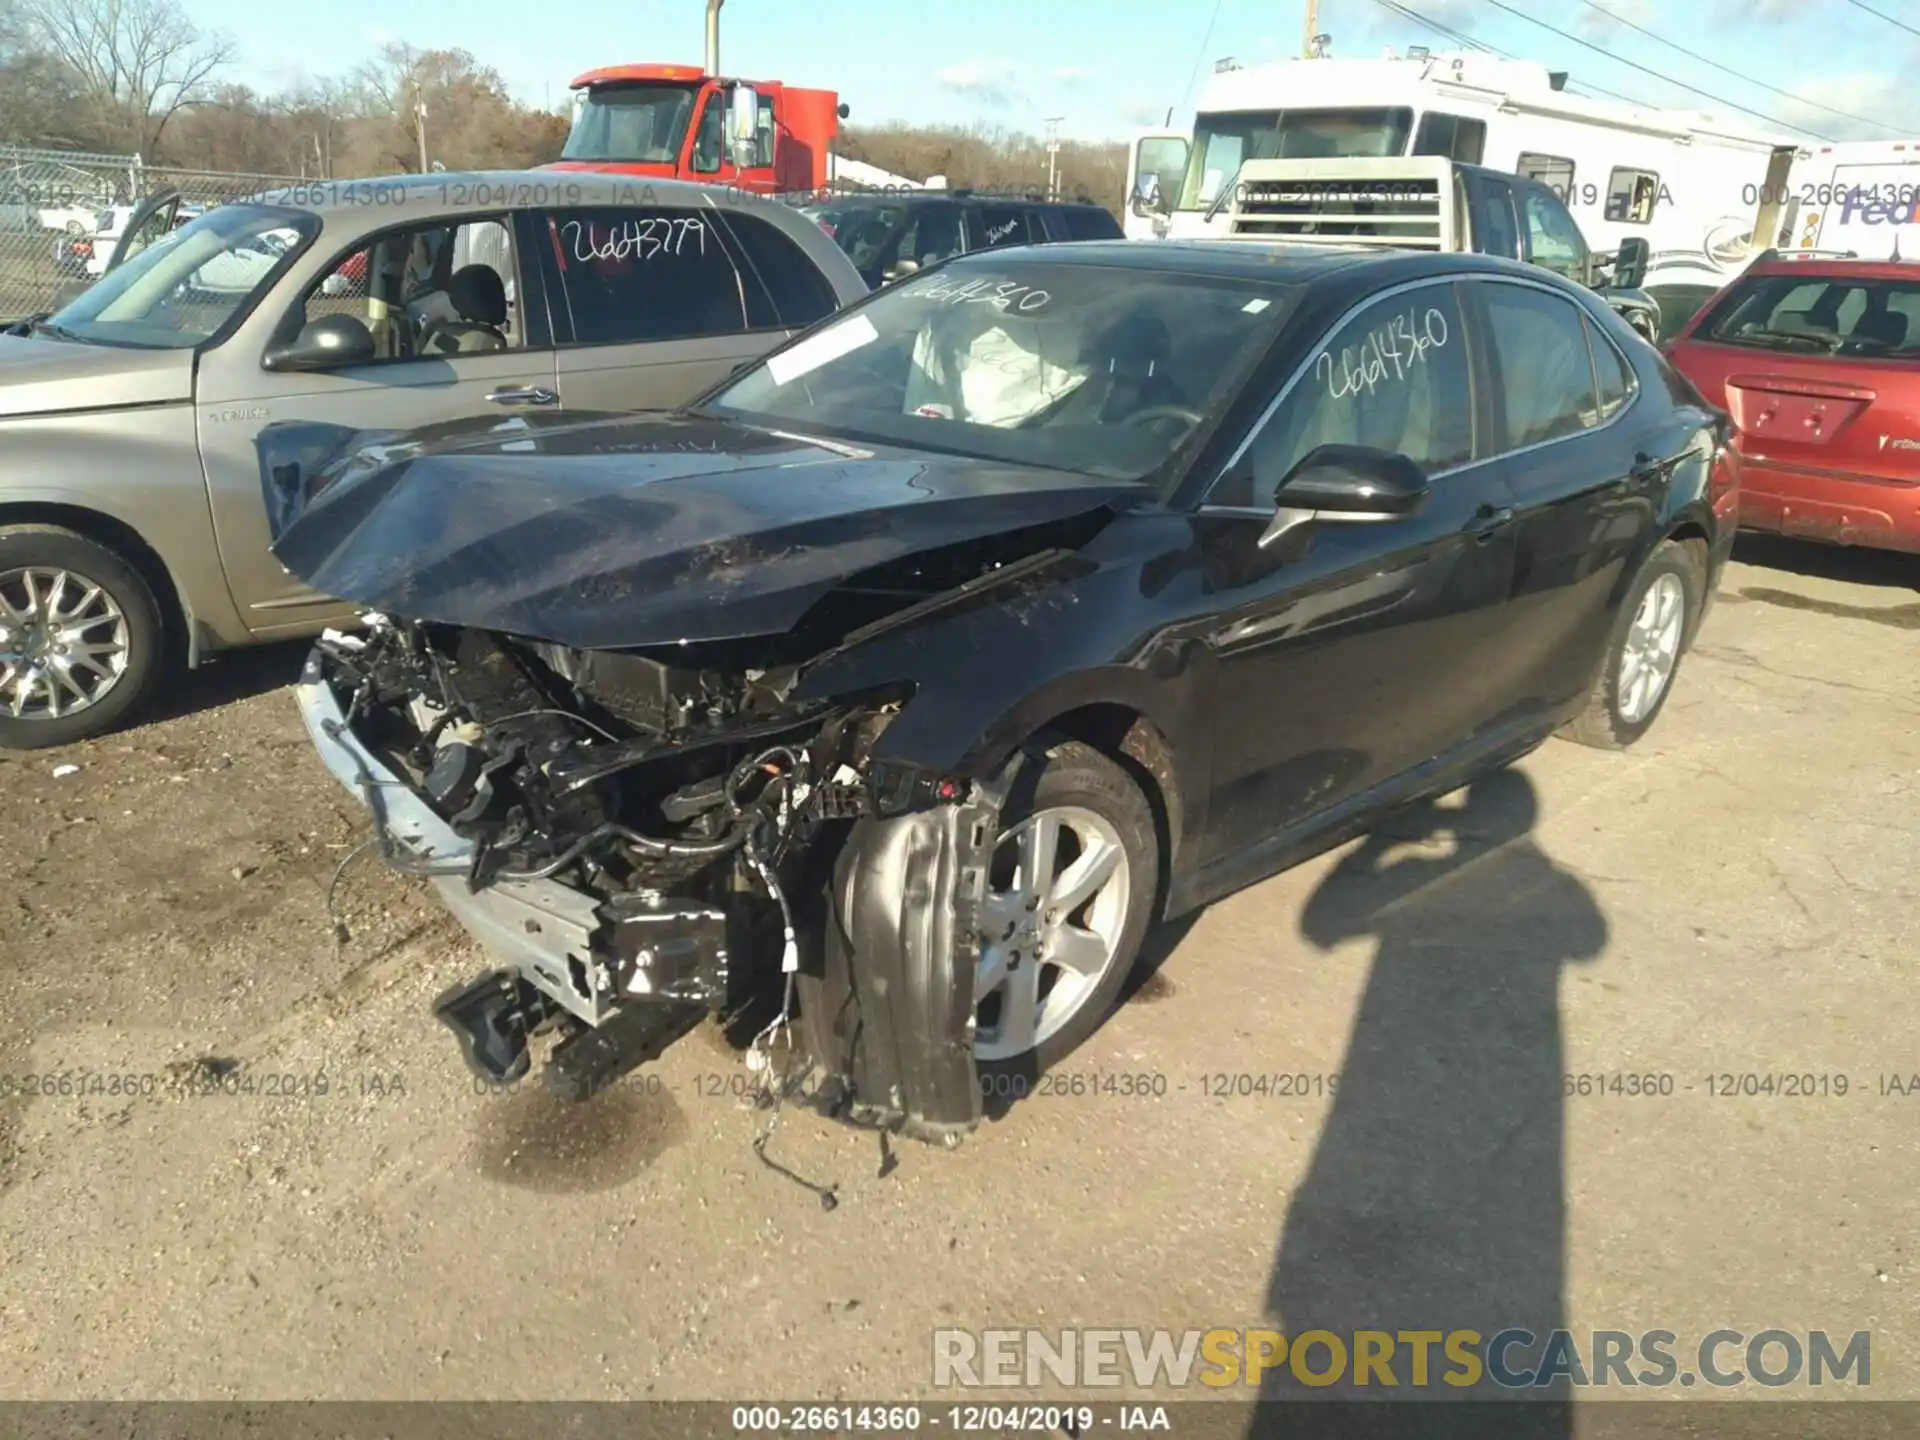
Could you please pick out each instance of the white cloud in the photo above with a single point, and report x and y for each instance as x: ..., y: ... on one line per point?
x: 1590, y: 24
x: 1070, y: 74
x: 991, y: 81
x: 1767, y: 11
x: 1888, y: 96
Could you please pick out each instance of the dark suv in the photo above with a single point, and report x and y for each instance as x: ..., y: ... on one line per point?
x: 892, y: 234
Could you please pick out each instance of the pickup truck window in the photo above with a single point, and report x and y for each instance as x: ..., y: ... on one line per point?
x: 1631, y: 195
x: 1496, y: 233
x: 1554, y: 242
x: 1453, y: 136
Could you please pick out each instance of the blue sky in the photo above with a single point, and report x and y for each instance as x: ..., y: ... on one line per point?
x: 1107, y: 65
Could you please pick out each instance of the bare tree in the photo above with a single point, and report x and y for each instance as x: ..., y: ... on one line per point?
x: 137, y: 61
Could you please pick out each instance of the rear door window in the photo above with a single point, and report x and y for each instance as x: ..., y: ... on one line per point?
x: 1089, y: 222
x: 932, y: 233
x: 785, y: 290
x: 1007, y: 225
x: 642, y: 273
x: 1826, y: 316
x: 1543, y: 371
x: 1611, y: 372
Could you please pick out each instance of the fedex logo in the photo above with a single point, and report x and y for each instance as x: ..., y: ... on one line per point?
x: 1864, y: 207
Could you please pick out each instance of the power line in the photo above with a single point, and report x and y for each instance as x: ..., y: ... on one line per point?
x: 1727, y: 70
x: 1439, y: 29
x: 1888, y: 18
x: 1649, y: 70
x: 1468, y: 40
x: 1200, y: 55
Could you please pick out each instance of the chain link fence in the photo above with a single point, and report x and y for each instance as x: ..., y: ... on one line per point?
x: 61, y: 212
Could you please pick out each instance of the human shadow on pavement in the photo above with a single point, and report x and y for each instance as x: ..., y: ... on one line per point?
x: 1435, y: 1198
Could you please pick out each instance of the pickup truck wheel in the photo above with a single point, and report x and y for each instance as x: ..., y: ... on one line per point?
x: 80, y: 637
x: 1643, y: 651
x: 1069, y: 892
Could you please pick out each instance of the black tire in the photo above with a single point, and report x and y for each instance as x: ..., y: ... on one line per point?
x: 50, y: 546
x: 1602, y: 723
x: 1056, y: 772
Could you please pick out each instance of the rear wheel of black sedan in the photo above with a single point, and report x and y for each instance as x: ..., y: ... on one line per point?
x: 1069, y: 895
x: 1643, y: 653
x: 80, y: 637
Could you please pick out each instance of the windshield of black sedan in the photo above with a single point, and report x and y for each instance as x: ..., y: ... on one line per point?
x: 184, y: 287
x: 1104, y: 369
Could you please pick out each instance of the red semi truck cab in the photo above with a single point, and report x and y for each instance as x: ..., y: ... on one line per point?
x: 671, y: 121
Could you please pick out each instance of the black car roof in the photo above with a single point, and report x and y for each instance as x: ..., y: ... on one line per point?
x: 1257, y: 260
x: 925, y: 197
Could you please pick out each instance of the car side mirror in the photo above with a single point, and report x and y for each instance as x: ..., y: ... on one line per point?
x: 1346, y: 483
x: 1630, y: 265
x: 329, y: 343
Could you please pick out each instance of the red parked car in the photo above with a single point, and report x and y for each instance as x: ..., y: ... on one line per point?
x: 1818, y: 363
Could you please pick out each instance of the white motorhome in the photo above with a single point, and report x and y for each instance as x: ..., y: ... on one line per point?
x: 1696, y: 188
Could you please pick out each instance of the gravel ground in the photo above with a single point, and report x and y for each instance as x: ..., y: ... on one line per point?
x: 1735, y: 896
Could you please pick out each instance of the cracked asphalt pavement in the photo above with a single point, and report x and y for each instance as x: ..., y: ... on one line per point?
x: 1735, y: 897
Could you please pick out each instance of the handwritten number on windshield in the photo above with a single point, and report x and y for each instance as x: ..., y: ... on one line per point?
x: 1001, y: 294
x: 642, y: 239
x: 1388, y: 353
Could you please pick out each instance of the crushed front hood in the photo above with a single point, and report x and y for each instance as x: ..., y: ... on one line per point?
x: 612, y: 532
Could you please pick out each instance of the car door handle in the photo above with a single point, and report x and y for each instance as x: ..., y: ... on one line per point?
x: 524, y: 395
x: 1489, y: 518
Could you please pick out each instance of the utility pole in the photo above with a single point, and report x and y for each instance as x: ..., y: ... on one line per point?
x: 420, y: 110
x: 1053, y: 156
x: 1307, y: 47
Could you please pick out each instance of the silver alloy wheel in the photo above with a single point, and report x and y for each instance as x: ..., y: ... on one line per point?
x: 1652, y: 647
x: 63, y: 643
x: 1052, y: 932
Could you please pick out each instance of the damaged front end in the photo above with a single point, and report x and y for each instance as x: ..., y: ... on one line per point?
x: 629, y: 728
x: 644, y: 845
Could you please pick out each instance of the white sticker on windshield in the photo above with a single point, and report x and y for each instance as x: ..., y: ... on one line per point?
x: 830, y: 344
x: 1254, y: 307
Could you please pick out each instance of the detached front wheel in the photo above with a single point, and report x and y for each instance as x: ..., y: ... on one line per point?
x: 80, y: 637
x: 1643, y: 652
x: 1069, y: 895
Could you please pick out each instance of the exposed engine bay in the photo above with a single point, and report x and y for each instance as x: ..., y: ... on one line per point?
x: 675, y: 797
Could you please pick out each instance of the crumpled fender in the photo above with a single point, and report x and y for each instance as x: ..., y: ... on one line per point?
x: 889, y: 1013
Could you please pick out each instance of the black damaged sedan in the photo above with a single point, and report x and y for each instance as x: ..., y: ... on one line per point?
x: 899, y: 686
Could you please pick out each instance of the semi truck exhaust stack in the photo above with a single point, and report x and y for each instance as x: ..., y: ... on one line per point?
x: 713, y: 36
